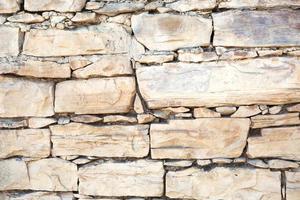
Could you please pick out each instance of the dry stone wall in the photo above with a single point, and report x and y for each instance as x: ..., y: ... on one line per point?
x: 149, y: 99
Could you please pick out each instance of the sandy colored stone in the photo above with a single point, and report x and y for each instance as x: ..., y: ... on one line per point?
x: 205, y: 112
x: 257, y: 163
x: 13, y: 123
x: 221, y: 83
x: 222, y: 160
x: 170, y: 32
x: 246, y: 111
x: 85, y: 17
x: 159, y: 58
x: 180, y: 163
x: 10, y: 41
x: 79, y: 63
x: 145, y: 118
x: 36, y: 196
x: 223, y: 183
x: 138, y: 106
x: 276, y: 142
x: 91, y: 5
x: 238, y: 54
x: 20, y: 97
x: 256, y: 28
x: 40, y: 122
x: 133, y: 178
x: 119, y: 119
x: 294, y: 108
x: 188, y: 5
x: 103, y: 141
x: 226, y: 110
x: 197, y: 56
x: 27, y: 18
x: 175, y: 110
x: 292, y: 185
x: 199, y: 138
x: 261, y: 121
x: 270, y: 52
x: 86, y: 118
x: 258, y: 3
x: 56, y: 5
x: 275, y: 110
x: 112, y: 9
x: 282, y: 164
x: 9, y: 6
x: 92, y: 96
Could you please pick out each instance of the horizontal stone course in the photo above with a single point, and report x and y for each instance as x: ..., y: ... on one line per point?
x: 57, y: 5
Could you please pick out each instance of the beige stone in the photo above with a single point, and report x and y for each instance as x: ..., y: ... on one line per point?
x: 170, y: 32
x: 238, y: 54
x: 197, y: 57
x: 258, y: 3
x: 203, y: 162
x: 40, y: 122
x: 175, y: 110
x: 261, y: 121
x: 276, y: 142
x: 180, y: 163
x: 19, y: 97
x: 189, y: 5
x: 158, y: 58
x: 9, y: 6
x: 27, y: 18
x: 119, y: 118
x: 104, y: 141
x: 132, y: 178
x: 246, y: 111
x: 294, y: 108
x: 36, y: 196
x: 292, y: 185
x: 269, y: 52
x: 145, y: 118
x: 112, y: 9
x: 86, y: 118
x: 13, y: 123
x: 205, y: 112
x: 56, y: 5
x: 222, y: 160
x: 282, y: 164
x: 91, y: 5
x: 258, y: 163
x: 275, y: 110
x: 138, y: 106
x: 85, y: 17
x: 79, y: 63
x: 92, y: 96
x: 226, y: 110
x: 199, y: 138
x: 10, y: 41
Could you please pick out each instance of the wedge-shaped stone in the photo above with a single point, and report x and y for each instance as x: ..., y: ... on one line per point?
x: 224, y: 183
x: 132, y: 178
x: 9, y: 6
x: 10, y: 41
x: 19, y: 97
x: 25, y: 142
x: 199, y: 138
x: 262, y: 121
x: 258, y: 3
x: 104, y: 141
x: 276, y: 142
x: 257, y: 28
x: 292, y: 185
x: 221, y: 83
x: 170, y: 32
x: 37, y: 196
x: 188, y: 5
x: 107, y: 95
x: 56, y: 5
x: 98, y: 39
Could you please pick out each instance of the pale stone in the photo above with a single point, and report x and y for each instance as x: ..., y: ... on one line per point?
x: 63, y: 120
x: 226, y: 110
x: 203, y: 162
x: 239, y: 160
x: 282, y: 164
x: 13, y: 123
x: 199, y: 138
x: 294, y: 53
x: 258, y: 163
x: 176, y: 110
x: 246, y: 111
x: 278, y: 52
x: 258, y: 3
x: 275, y: 110
x: 223, y: 183
x: 153, y: 5
x: 124, y: 19
x: 183, y: 115
x: 138, y: 106
x: 77, y: 63
x: 276, y: 142
x: 170, y: 32
x: 238, y: 54
x: 10, y: 41
x: 152, y: 58
x: 189, y: 5
x: 19, y: 97
x: 92, y: 96
x: 221, y: 83
x: 56, y: 5
x: 180, y: 163
x: 205, y: 112
x: 292, y: 185
x: 40, y: 122
x: 81, y: 161
x: 93, y: 5
x: 112, y: 9
x: 27, y: 18
x: 84, y: 17
x: 132, y: 178
x: 197, y: 57
x: 294, y: 108
x: 256, y: 28
x: 119, y: 118
x: 36, y: 196
x: 86, y: 118
x: 145, y: 118
x: 261, y: 121
x: 9, y: 6
x: 110, y: 65
x: 222, y: 160
x: 103, y: 141
x: 161, y: 114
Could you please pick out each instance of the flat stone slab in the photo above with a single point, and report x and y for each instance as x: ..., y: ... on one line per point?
x: 10, y: 41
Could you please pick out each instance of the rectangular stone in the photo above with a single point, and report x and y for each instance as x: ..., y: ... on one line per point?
x: 20, y: 97
x: 97, y: 95
x: 10, y: 41
x: 9, y: 6
x: 56, y: 5
x: 262, y: 121
x: 132, y: 178
x: 224, y: 183
x: 276, y: 142
x: 36, y: 196
x: 103, y: 141
x: 25, y: 142
x: 221, y: 83
x: 199, y: 138
x: 292, y: 185
x: 259, y: 3
x: 257, y: 28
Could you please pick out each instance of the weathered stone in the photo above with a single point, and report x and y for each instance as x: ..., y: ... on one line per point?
x: 153, y: 5
x: 180, y: 163
x: 223, y: 183
x: 138, y: 106
x: 9, y: 6
x: 84, y: 17
x: 176, y: 110
x: 86, y: 119
x: 145, y: 118
x: 205, y: 112
x: 222, y: 160
x: 294, y: 108
x: 183, y: 115
x: 10, y: 41
x: 107, y: 95
x: 112, y: 9
x: 133, y: 178
x: 256, y: 28
x: 199, y: 138
x: 159, y: 58
x: 221, y: 83
x: 39, y: 122
x: 239, y: 160
x: 197, y: 57
x: 56, y: 5
x: 79, y: 63
x: 119, y: 118
x: 13, y: 123
x: 27, y: 18
x: 91, y: 5
x: 188, y: 5
x: 258, y: 163
x: 63, y: 120
x: 292, y: 185
x: 170, y: 32
x: 275, y: 110
x: 36, y: 196
x: 261, y: 121
x: 19, y: 97
x: 268, y: 52
x: 276, y: 142
x: 246, y: 111
x: 282, y: 164
x: 124, y: 19
x: 226, y: 110
x: 203, y: 162
x: 238, y: 54
x: 104, y: 141
x: 258, y: 3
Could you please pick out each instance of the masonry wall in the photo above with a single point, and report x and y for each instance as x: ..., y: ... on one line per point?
x: 167, y: 99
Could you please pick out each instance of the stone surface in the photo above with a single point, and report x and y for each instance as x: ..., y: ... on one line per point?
x: 104, y: 141
x: 258, y: 163
x: 26, y: 18
x: 119, y: 118
x: 111, y: 95
x: 10, y: 41
x: 170, y: 32
x: 181, y: 163
x: 151, y: 58
x: 203, y: 162
x: 145, y: 118
x: 197, y: 57
x: 205, y: 112
x: 36, y: 196
x: 13, y: 123
x: 56, y: 5
x: 133, y: 178
x: 292, y: 185
x: 9, y: 6
x: 221, y: 83
x: 294, y: 108
x: 282, y: 164
x: 40, y: 122
x: 258, y: 3
x: 138, y: 106
x: 199, y: 138
x: 79, y: 63
x: 256, y: 28
x: 85, y: 17
x: 112, y: 9
x: 226, y: 110
x: 86, y: 119
x: 188, y: 5
x: 276, y: 142
x: 238, y: 54
x: 246, y: 111
x: 20, y: 97
x: 261, y: 121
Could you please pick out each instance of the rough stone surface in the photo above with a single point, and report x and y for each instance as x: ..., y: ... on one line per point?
x: 292, y: 185
x: 37, y: 196
x: 262, y: 121
x: 258, y: 3
x: 246, y: 111
x: 113, y: 9
x: 9, y: 6
x: 10, y: 41
x: 13, y: 123
x: 56, y: 5
x: 188, y: 5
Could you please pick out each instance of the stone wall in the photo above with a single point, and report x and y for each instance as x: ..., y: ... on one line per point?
x: 166, y: 99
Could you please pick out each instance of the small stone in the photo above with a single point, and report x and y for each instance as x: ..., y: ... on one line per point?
x: 91, y: 5
x: 155, y: 58
x: 183, y: 115
x: 222, y: 160
x: 205, y: 113
x: 197, y: 57
x: 226, y: 110
x: 145, y: 118
x: 246, y: 111
x: 161, y: 114
x: 40, y: 122
x: 238, y: 54
x: 78, y: 63
x: 270, y: 52
x: 153, y: 5
x: 119, y: 118
x: 121, y: 19
x: 189, y: 5
x: 86, y: 118
x: 174, y: 110
x: 282, y: 164
x: 239, y: 160
x: 81, y: 161
x: 294, y: 53
x: 9, y: 6
x: 63, y: 120
x: 275, y: 110
x: 258, y: 163
x: 84, y: 17
x: 112, y: 9
x: 138, y: 106
x: 27, y: 18
x: 56, y: 5
x: 203, y: 162
x: 181, y: 163
x: 261, y: 121
x: 294, y: 108
x: 13, y: 123
x: 163, y: 9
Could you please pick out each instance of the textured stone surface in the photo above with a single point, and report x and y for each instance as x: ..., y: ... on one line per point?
x: 258, y: 3
x: 132, y: 178
x: 199, y: 138
x: 10, y: 41
x: 113, y: 9
x: 111, y: 95
x: 40, y: 122
x: 261, y: 121
x: 246, y: 111
x: 205, y: 112
x: 26, y: 18
x: 57, y: 5
x: 170, y: 32
x: 13, y: 123
x: 9, y: 6
x: 36, y: 196
x: 292, y: 185
x: 188, y: 5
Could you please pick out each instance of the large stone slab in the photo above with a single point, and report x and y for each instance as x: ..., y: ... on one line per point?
x: 10, y: 41
x: 262, y: 121
x: 104, y: 141
x: 199, y: 138
x: 20, y: 97
x: 276, y: 142
x: 170, y: 32
x: 258, y: 3
x: 224, y: 183
x: 292, y: 185
x: 221, y: 83
x: 9, y: 6
x: 92, y: 96
x: 132, y: 178
x: 56, y: 5
x: 257, y: 28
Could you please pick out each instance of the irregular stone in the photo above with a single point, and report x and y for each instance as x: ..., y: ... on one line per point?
x: 9, y: 6
x: 189, y: 5
x: 238, y: 54
x: 55, y: 5
x: 39, y: 122
x: 223, y: 183
x: 90, y: 5
x: 203, y: 162
x: 183, y: 115
x: 153, y: 5
x: 86, y: 119
x: 258, y: 163
x: 221, y: 83
x: 292, y: 185
x: 84, y: 17
x: 205, y: 112
x: 201, y: 138
x: 226, y: 110
x: 261, y: 121
x: 275, y: 110
x: 63, y: 120
x: 13, y: 123
x: 132, y: 178
x: 170, y: 32
x: 118, y: 118
x: 222, y: 160
x: 256, y: 28
x: 282, y: 164
x: 246, y: 111
x: 112, y: 9
x: 258, y: 3
x: 278, y: 52
x: 180, y: 163
x: 79, y: 63
x: 145, y: 118
x: 36, y: 196
x: 110, y: 65
x: 276, y: 142
x: 104, y: 141
x: 239, y: 160
x: 176, y: 110
x: 112, y: 95
x: 197, y: 57
x: 81, y: 161
x: 294, y: 108
x: 138, y: 106
x: 27, y: 18
x: 10, y: 41
x: 152, y: 58
x: 161, y: 114
x: 19, y: 97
